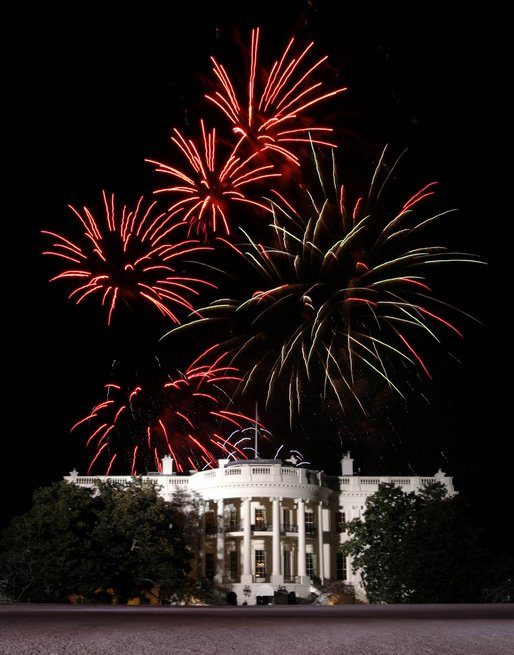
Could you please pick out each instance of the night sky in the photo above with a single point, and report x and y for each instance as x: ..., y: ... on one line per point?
x: 92, y: 95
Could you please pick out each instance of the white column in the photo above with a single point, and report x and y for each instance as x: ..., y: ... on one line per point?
x: 328, y: 562
x: 300, y: 512
x: 220, y: 542
x: 246, y: 578
x: 276, y: 576
x: 321, y: 560
x: 200, y: 557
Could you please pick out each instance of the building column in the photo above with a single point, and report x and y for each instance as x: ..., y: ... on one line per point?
x: 328, y: 561
x: 246, y: 577
x: 302, y: 568
x: 321, y: 554
x: 276, y: 576
x: 200, y: 555
x: 220, y: 542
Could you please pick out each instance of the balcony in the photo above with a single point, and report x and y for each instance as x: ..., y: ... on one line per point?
x: 285, y: 528
x: 288, y: 527
x: 234, y: 527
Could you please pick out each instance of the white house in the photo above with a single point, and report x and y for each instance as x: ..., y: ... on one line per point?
x: 270, y: 525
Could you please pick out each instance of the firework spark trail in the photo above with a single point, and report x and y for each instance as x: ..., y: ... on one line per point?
x: 272, y: 118
x: 129, y: 258
x: 209, y: 189
x: 344, y: 292
x: 183, y: 417
x: 335, y: 290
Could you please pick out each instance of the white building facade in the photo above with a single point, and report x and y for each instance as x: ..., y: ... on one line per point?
x: 269, y: 526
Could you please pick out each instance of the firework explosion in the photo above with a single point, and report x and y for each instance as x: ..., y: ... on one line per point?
x: 271, y: 124
x: 275, y: 117
x: 332, y: 288
x: 184, y: 416
x: 207, y: 192
x: 344, y: 294
x: 128, y: 257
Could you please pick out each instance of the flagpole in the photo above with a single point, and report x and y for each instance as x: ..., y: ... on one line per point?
x: 256, y: 453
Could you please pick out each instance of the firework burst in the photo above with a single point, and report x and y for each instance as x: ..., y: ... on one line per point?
x: 332, y: 290
x: 344, y: 294
x: 130, y: 256
x: 184, y: 416
x: 274, y: 116
x: 210, y: 188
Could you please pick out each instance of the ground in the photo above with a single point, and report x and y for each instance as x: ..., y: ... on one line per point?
x: 357, y: 630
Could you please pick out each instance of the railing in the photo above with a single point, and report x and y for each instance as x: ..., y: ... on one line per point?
x: 310, y: 530
x: 370, y: 483
x: 233, y: 470
x: 288, y: 527
x: 213, y: 529
x: 91, y: 480
x: 256, y: 473
x: 178, y: 481
x: 290, y: 471
x: 261, y: 470
x: 284, y: 528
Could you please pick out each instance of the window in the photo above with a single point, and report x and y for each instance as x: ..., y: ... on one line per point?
x: 340, y: 521
x: 260, y: 519
x: 233, y: 565
x: 210, y: 523
x: 309, y: 522
x: 233, y: 524
x: 260, y: 563
x: 209, y: 566
x: 341, y: 571
x: 310, y: 564
x: 287, y: 565
x: 286, y: 518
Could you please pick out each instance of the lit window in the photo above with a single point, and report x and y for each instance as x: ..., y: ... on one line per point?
x: 260, y: 519
x: 260, y: 563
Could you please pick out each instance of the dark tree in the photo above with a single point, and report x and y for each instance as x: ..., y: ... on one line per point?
x: 417, y: 547
x: 44, y: 552
x: 121, y: 538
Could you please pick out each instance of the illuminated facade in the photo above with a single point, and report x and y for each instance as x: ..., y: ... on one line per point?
x: 270, y: 526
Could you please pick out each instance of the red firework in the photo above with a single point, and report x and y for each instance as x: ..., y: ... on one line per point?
x: 205, y: 193
x: 271, y: 117
x: 128, y: 257
x: 183, y: 416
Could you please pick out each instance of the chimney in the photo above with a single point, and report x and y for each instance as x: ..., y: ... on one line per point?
x: 167, y: 465
x: 347, y: 464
